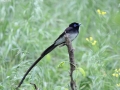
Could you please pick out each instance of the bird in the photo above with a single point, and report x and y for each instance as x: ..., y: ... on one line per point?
x: 72, y: 31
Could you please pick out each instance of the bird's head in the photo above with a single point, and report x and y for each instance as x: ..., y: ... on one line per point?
x: 75, y: 25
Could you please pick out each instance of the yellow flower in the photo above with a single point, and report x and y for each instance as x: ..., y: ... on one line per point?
x: 113, y: 74
x: 87, y: 39
x: 119, y: 70
x: 118, y: 85
x: 116, y: 75
x: 116, y: 70
x: 94, y: 42
x: 91, y: 38
x: 101, y: 12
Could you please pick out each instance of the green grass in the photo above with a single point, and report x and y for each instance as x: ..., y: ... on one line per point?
x: 27, y: 28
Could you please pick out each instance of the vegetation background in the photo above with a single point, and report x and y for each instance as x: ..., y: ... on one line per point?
x: 28, y: 27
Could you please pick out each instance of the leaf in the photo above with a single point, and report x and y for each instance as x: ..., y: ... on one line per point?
x: 61, y: 65
x: 48, y: 57
x: 82, y: 71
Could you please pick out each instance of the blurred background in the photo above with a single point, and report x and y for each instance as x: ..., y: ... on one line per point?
x: 28, y: 27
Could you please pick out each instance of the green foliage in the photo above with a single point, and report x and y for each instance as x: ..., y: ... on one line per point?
x: 27, y: 27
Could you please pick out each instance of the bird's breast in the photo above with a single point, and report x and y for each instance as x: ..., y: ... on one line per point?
x: 71, y: 36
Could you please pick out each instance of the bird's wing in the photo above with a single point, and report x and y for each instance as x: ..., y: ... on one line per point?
x: 62, y: 35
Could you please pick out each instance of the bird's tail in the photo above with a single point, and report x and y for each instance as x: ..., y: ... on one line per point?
x: 49, y: 49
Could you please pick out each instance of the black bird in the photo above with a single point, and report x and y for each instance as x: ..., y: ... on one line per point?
x: 72, y: 31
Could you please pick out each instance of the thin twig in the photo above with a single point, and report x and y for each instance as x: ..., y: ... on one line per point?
x: 72, y: 62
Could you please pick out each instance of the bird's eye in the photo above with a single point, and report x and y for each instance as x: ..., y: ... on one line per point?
x: 75, y: 25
